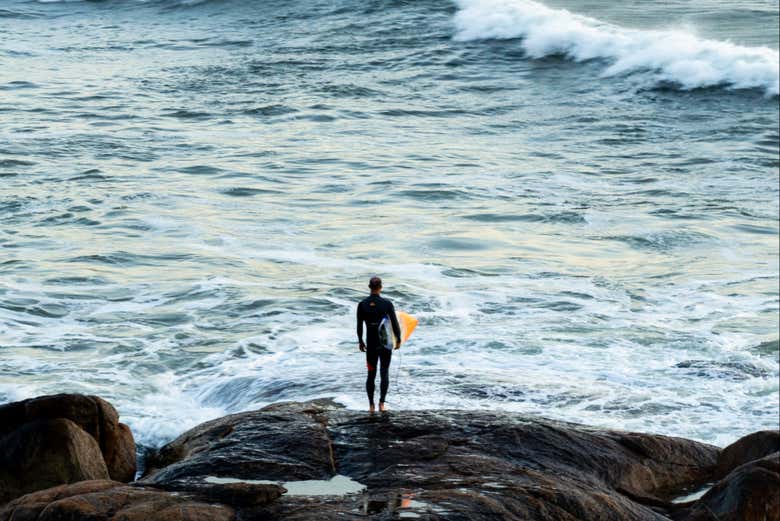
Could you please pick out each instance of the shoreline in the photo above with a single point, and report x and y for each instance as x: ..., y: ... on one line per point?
x: 318, y: 460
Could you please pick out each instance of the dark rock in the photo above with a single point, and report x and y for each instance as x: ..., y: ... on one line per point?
x: 283, y: 442
x: 748, y: 448
x: 751, y: 492
x: 109, y: 500
x: 46, y: 453
x: 240, y: 494
x: 94, y: 415
x: 437, y: 464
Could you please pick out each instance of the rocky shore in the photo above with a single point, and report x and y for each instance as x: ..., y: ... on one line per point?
x: 67, y: 457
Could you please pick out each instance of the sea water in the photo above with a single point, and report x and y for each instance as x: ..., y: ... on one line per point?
x: 578, y: 199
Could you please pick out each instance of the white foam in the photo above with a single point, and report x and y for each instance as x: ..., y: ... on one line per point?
x: 671, y: 55
x: 165, y: 412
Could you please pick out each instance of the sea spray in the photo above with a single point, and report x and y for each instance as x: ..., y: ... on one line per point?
x: 672, y: 56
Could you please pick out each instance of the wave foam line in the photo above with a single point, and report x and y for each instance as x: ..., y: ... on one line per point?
x: 675, y: 56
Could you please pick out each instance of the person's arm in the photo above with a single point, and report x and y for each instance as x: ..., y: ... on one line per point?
x: 396, y: 326
x: 361, y: 345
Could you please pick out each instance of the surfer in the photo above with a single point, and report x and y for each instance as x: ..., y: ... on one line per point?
x: 372, y: 310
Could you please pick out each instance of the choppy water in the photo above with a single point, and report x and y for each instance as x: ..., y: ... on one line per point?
x: 578, y: 200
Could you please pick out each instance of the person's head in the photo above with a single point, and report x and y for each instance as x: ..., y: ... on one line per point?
x: 375, y: 284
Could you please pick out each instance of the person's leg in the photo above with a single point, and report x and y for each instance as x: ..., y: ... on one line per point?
x: 372, y: 356
x: 384, y: 375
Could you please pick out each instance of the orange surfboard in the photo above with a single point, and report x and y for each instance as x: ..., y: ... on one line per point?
x: 407, y: 323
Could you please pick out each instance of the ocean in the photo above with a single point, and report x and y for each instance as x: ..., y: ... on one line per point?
x: 578, y: 199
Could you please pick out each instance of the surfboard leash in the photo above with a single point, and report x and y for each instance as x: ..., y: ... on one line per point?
x: 397, y: 371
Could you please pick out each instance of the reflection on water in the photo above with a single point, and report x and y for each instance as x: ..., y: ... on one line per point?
x: 338, y: 485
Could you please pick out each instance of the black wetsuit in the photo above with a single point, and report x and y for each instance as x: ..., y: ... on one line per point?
x: 372, y: 310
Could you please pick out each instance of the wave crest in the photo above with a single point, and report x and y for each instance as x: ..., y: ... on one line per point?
x: 674, y: 56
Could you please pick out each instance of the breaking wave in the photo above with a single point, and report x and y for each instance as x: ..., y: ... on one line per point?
x: 672, y: 56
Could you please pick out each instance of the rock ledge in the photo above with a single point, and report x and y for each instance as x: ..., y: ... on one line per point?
x: 434, y: 465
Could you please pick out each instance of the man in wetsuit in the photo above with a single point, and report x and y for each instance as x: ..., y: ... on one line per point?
x: 372, y: 310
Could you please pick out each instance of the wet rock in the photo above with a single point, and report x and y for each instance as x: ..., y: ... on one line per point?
x: 46, y: 453
x: 105, y: 500
x: 437, y: 464
x: 748, y: 448
x: 751, y: 492
x: 283, y: 442
x: 239, y: 494
x: 95, y: 416
x: 318, y: 461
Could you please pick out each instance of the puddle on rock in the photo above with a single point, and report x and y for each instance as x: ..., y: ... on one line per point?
x: 226, y: 481
x: 693, y: 496
x: 338, y: 485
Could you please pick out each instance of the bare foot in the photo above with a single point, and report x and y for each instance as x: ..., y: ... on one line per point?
x: 371, y: 408
x: 382, y: 407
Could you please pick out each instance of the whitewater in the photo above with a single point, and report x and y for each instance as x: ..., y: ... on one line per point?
x: 673, y: 56
x: 577, y: 199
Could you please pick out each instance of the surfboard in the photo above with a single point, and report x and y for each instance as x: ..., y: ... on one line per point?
x: 407, y: 323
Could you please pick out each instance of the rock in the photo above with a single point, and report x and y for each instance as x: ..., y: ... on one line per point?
x: 46, y: 453
x: 236, y: 494
x: 284, y: 442
x: 94, y: 415
x: 120, y: 455
x: 751, y: 492
x: 277, y: 463
x: 436, y: 464
x: 110, y: 500
x: 748, y: 448
x: 63, y: 439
